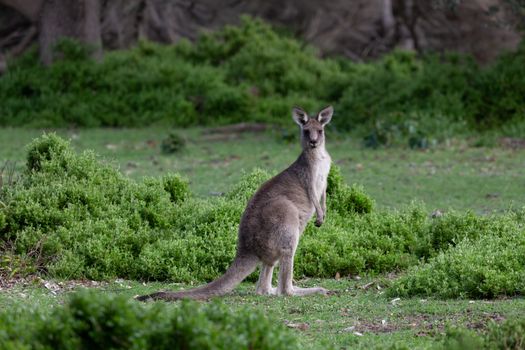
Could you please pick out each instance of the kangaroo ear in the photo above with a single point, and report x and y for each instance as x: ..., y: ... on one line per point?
x: 299, y: 116
x: 325, y: 115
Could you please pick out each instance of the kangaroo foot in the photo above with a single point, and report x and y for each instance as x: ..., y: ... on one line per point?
x: 307, y: 291
x: 266, y: 291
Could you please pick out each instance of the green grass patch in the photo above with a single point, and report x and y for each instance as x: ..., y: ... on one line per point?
x: 317, y: 322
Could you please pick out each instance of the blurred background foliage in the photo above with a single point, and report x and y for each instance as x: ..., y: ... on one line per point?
x: 254, y: 73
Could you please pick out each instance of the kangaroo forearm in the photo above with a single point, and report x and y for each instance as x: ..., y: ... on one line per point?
x: 318, y: 210
x: 315, y: 201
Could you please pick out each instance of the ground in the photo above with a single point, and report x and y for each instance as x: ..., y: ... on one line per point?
x: 358, y: 315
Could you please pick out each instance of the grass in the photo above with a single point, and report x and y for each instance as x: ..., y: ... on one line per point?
x: 455, y: 176
x: 353, y: 318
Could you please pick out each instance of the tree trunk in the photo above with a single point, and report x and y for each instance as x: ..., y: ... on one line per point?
x: 407, y: 39
x: 387, y: 20
x: 28, y: 8
x: 73, y: 19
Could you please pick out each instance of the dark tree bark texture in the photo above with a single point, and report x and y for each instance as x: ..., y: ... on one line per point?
x: 358, y: 29
x: 73, y: 19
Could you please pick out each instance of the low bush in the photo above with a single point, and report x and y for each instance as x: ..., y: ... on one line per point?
x: 251, y: 73
x: 82, y: 217
x: 345, y: 199
x: 485, y: 263
x: 248, y: 184
x: 173, y: 143
x: 91, y: 320
x: 508, y: 335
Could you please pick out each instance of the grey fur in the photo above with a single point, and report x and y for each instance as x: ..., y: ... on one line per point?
x: 275, y: 218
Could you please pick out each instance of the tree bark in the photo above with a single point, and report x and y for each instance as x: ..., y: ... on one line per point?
x: 387, y: 19
x: 73, y: 19
x: 359, y: 29
x: 29, y: 8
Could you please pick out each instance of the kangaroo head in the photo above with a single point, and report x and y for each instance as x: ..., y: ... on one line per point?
x: 312, y: 128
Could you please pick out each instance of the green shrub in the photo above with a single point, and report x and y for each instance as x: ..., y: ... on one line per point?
x: 71, y: 50
x: 85, y: 217
x: 461, y: 339
x: 369, y: 243
x: 44, y: 149
x: 505, y: 336
x: 344, y: 199
x: 248, y: 185
x: 495, y: 97
x: 177, y: 187
x: 90, y: 320
x: 508, y: 335
x: 173, y: 143
x: 486, y: 266
x: 2, y: 219
x: 252, y: 73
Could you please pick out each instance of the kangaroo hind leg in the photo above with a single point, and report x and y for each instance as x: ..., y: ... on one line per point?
x: 264, y: 285
x: 285, y: 285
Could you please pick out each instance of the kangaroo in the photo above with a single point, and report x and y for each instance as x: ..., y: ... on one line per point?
x: 275, y: 218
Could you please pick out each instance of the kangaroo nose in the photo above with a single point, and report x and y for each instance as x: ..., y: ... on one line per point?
x: 313, y: 143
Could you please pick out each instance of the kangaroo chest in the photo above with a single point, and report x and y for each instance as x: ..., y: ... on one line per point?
x: 320, y: 173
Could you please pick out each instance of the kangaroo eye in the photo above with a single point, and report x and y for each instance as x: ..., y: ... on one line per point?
x: 320, y: 132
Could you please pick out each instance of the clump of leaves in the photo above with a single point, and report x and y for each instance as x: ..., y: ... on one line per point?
x: 71, y: 50
x: 44, y: 149
x: 177, y: 187
x: 508, y: 335
x: 3, y: 220
x: 346, y: 199
x: 486, y: 263
x: 173, y: 143
x: 248, y: 185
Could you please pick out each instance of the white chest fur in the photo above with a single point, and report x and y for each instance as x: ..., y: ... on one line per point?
x: 320, y: 173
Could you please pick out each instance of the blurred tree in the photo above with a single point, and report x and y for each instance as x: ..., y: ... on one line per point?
x: 357, y: 29
x: 516, y: 6
x: 56, y: 19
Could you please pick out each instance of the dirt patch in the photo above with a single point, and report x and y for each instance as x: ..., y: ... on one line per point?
x: 428, y: 324
x: 54, y: 287
x: 231, y: 132
x: 237, y: 128
x: 512, y: 143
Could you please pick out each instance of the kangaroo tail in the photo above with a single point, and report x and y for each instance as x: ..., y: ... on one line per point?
x: 241, y: 267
